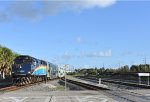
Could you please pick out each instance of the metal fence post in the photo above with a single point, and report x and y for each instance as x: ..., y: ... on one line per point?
x: 139, y: 80
x: 148, y: 80
x: 99, y: 80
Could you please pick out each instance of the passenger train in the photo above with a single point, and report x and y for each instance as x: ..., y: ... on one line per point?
x: 26, y: 67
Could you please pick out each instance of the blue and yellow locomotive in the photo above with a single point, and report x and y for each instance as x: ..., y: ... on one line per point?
x: 28, y: 68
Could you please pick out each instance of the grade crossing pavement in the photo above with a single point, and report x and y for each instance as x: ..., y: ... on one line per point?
x: 55, y: 96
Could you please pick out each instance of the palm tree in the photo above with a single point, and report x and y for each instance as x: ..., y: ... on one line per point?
x: 6, y: 60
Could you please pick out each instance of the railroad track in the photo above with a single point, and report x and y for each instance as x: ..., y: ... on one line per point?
x: 13, y: 88
x: 17, y: 87
x: 120, y: 95
x: 123, y: 95
x: 117, y: 82
x: 85, y: 85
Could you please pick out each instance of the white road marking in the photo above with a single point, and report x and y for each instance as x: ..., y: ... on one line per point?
x: 53, y: 99
x: 77, y: 97
x: 81, y: 98
x: 47, y: 99
x: 147, y: 94
x: 103, y: 99
x: 16, y: 99
x: 91, y: 98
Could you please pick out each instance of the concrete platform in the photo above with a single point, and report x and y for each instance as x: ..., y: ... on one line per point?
x: 87, y: 82
x: 144, y: 92
x: 55, y: 96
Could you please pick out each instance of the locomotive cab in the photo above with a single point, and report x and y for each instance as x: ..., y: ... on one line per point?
x: 24, y: 65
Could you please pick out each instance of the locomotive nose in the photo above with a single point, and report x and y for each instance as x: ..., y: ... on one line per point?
x: 18, y: 65
x: 22, y: 69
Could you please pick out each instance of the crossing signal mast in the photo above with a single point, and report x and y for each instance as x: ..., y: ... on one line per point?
x: 65, y: 67
x: 145, y: 61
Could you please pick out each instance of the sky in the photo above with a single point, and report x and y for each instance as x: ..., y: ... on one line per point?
x: 81, y: 33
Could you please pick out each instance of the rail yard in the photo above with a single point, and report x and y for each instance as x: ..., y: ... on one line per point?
x: 37, y: 80
x: 78, y: 90
x: 74, y: 51
x: 53, y: 91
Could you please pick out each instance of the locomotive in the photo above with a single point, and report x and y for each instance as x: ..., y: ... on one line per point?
x: 27, y: 69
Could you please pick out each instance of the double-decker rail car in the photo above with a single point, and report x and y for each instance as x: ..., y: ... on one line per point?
x: 61, y: 72
x: 54, y: 71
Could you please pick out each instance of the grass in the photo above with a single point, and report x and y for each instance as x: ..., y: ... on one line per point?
x: 61, y: 88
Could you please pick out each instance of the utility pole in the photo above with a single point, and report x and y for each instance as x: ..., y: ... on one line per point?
x: 65, y: 67
x: 120, y: 68
x: 119, y: 65
x: 145, y: 69
x: 103, y: 65
x: 145, y: 61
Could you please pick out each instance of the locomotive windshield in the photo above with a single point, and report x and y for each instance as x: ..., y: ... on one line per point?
x: 23, y: 60
x: 43, y: 63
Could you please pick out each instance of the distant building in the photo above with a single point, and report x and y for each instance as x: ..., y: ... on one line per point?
x: 69, y: 71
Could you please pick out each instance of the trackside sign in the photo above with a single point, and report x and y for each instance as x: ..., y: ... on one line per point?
x: 143, y: 74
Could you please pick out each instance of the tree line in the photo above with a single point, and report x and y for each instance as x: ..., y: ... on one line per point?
x: 7, y: 57
x: 103, y: 71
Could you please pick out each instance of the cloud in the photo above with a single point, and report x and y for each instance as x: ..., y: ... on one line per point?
x: 66, y: 56
x: 98, y: 54
x: 52, y: 7
x: 25, y: 9
x: 86, y: 4
x: 85, y: 66
x: 35, y: 10
x: 131, y: 53
x: 4, y: 17
x: 127, y: 53
x: 79, y: 39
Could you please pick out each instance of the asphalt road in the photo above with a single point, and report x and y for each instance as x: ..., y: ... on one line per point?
x: 53, y: 91
x: 55, y: 96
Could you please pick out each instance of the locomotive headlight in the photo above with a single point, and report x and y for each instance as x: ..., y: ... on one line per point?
x: 29, y: 72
